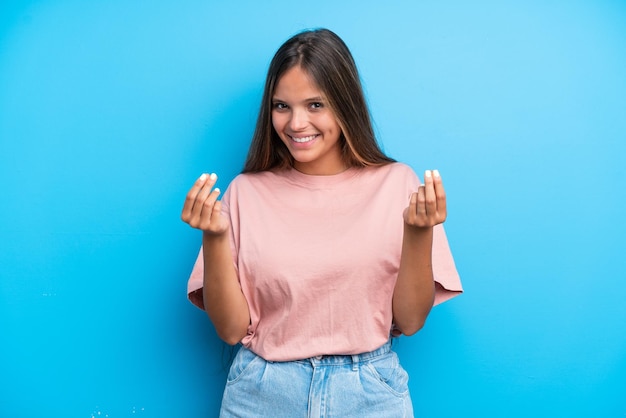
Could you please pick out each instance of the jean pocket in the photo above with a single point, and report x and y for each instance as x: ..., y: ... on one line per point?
x: 387, y: 372
x: 243, y: 362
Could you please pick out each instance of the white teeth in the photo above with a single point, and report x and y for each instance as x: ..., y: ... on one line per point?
x: 303, y: 139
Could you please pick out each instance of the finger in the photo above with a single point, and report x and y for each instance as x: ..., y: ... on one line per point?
x: 421, y: 201
x: 204, y: 192
x: 190, y: 199
x: 439, y: 192
x: 411, y: 210
x: 201, y: 200
x: 217, y: 211
x: 429, y: 190
x: 208, y: 204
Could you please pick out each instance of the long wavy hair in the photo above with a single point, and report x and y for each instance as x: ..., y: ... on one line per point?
x: 328, y: 61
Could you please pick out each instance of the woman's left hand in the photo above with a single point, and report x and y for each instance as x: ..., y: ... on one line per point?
x: 427, y: 206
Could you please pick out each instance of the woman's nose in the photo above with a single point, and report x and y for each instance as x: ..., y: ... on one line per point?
x: 299, y: 120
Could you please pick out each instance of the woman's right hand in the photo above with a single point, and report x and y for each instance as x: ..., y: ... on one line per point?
x: 202, y: 210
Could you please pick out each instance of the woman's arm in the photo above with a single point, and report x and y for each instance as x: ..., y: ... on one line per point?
x: 414, y: 293
x: 224, y: 301
x: 415, y: 289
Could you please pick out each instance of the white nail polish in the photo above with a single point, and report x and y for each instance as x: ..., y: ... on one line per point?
x: 216, y: 190
x: 436, y: 173
x: 428, y: 174
x: 213, y: 176
x: 202, y: 177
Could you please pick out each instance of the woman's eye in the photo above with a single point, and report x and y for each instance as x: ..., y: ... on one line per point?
x: 280, y: 106
x: 316, y: 105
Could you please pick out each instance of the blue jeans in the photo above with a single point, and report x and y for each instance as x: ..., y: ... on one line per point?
x: 364, y: 385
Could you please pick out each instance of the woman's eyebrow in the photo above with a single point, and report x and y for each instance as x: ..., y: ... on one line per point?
x: 311, y: 99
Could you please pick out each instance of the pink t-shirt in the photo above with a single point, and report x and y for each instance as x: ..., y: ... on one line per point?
x: 318, y: 257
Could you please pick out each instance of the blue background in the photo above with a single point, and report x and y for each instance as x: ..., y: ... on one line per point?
x: 109, y: 110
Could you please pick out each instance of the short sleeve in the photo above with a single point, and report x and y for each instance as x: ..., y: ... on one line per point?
x: 448, y: 282
x: 195, y: 282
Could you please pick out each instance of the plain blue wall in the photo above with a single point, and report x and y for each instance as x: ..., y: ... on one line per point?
x: 109, y: 110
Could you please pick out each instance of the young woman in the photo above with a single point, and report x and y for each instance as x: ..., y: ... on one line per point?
x: 320, y: 251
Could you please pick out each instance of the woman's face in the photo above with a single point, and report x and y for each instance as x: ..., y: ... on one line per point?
x: 306, y: 124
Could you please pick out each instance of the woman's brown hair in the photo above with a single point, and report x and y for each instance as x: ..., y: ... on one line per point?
x: 327, y: 59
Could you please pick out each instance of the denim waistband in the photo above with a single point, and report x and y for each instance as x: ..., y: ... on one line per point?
x: 334, y: 360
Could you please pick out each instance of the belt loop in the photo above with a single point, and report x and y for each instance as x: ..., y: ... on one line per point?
x: 355, y: 362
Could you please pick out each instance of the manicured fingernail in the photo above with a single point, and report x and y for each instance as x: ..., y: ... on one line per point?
x: 428, y: 174
x: 213, y: 176
x: 216, y: 190
x: 436, y: 173
x: 202, y: 177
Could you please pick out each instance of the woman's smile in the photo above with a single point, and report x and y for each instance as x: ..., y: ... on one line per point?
x: 303, y: 139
